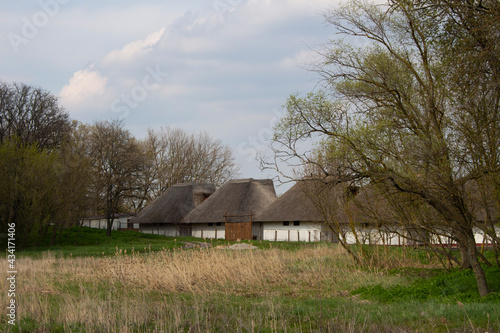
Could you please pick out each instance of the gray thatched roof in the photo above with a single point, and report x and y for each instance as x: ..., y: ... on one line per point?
x: 370, y: 206
x: 175, y: 203
x: 236, y: 197
x: 308, y: 200
x: 294, y: 205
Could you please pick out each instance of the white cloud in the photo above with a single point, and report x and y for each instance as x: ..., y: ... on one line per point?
x: 134, y: 49
x: 84, y: 85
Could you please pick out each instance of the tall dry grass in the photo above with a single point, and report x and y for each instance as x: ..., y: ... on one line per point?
x: 174, y: 290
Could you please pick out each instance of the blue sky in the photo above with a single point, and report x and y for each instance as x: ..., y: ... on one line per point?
x: 223, y: 66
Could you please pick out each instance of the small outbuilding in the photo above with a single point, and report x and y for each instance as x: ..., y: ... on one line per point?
x: 163, y: 215
x: 120, y: 222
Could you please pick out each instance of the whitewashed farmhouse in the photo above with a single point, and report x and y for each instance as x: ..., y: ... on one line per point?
x: 232, y: 209
x: 163, y: 216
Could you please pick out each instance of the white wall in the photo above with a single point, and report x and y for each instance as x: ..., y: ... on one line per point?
x: 206, y: 231
x: 164, y: 230
x: 276, y: 231
x: 102, y: 223
x: 482, y: 238
x: 374, y: 236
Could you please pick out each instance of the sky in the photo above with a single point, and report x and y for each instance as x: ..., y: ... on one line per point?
x: 221, y: 66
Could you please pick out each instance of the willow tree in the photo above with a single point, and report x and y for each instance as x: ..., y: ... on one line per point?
x: 395, y: 110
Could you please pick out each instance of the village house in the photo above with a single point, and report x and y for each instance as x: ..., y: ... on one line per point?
x: 292, y: 217
x: 310, y: 211
x: 163, y: 215
x: 230, y: 211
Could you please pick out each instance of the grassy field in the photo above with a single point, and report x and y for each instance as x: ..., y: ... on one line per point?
x: 143, y: 283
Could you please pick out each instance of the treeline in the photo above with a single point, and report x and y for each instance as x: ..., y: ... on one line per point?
x: 55, y: 171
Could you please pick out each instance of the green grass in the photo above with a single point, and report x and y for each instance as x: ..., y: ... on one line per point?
x: 408, y: 298
x: 443, y: 287
x: 230, y: 313
x: 89, y: 242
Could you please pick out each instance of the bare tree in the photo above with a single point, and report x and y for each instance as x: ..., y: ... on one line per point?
x: 177, y: 156
x: 33, y: 115
x: 116, y: 165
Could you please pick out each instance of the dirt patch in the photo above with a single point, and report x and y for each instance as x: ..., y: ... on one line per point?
x: 198, y: 245
x: 241, y: 246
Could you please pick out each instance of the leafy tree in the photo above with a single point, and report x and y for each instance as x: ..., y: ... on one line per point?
x: 27, y: 188
x: 396, y: 112
x: 38, y: 189
x: 41, y: 182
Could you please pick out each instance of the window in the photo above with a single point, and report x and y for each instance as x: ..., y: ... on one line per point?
x: 218, y: 224
x: 286, y: 223
x: 296, y: 223
x: 210, y: 224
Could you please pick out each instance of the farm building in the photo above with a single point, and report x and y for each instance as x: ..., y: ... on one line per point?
x: 301, y: 214
x: 369, y: 220
x: 231, y: 209
x: 121, y: 222
x: 250, y: 209
x: 376, y: 220
x: 164, y: 214
x: 361, y: 214
x: 293, y: 217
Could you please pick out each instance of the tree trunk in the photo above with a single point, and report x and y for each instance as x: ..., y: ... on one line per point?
x: 468, y: 243
x: 78, y: 232
x: 482, y: 285
x: 54, y: 235
x: 464, y: 254
x: 109, y: 226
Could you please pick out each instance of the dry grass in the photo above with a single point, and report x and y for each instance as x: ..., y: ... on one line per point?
x: 175, y: 290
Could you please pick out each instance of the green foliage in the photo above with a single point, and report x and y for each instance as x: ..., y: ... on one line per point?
x: 28, y: 188
x: 447, y: 287
x: 38, y: 188
x: 422, y: 114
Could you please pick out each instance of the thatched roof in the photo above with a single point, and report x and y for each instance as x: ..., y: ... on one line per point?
x: 236, y: 197
x: 373, y: 206
x: 308, y: 200
x: 175, y: 203
x: 293, y: 205
x: 370, y: 206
